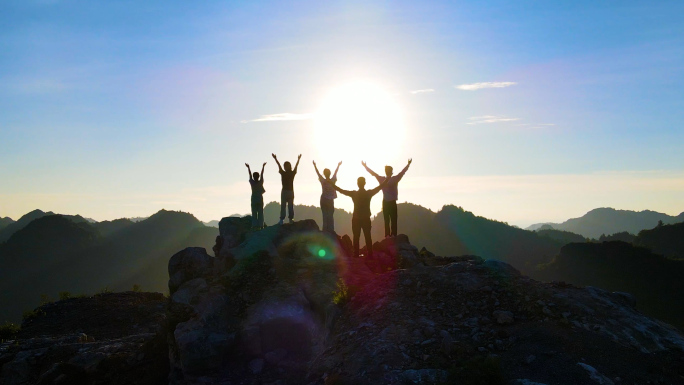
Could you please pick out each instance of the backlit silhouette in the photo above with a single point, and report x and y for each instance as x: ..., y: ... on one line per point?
x: 390, y: 194
x: 328, y: 197
x: 256, y: 181
x: 361, y: 218
x: 287, y: 193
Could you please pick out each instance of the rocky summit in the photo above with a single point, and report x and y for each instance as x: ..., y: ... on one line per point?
x: 289, y: 305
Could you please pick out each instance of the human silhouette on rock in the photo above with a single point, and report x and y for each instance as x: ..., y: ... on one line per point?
x: 361, y: 218
x: 256, y: 181
x: 328, y: 197
x: 390, y: 194
x: 287, y: 194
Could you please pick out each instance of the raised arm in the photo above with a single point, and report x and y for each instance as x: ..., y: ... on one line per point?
x: 345, y: 192
x: 336, y: 170
x: 262, y: 171
x: 278, y: 163
x: 369, y: 170
x: 316, y: 167
x: 401, y: 174
x: 249, y: 171
x: 297, y: 165
x: 377, y: 189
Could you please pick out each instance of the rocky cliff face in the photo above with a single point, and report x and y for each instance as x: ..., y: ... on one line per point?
x: 288, y: 305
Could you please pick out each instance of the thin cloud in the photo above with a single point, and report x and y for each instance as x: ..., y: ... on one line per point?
x: 285, y: 116
x: 415, y: 92
x: 490, y: 119
x: 479, y: 86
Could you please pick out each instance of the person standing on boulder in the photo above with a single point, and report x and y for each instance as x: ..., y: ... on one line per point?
x: 287, y: 194
x: 390, y: 194
x: 256, y: 181
x: 361, y: 218
x: 328, y: 197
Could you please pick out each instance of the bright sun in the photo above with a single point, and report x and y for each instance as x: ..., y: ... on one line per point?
x: 359, y: 121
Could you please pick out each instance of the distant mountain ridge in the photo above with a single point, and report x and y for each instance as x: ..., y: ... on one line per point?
x: 54, y: 253
x: 607, y: 221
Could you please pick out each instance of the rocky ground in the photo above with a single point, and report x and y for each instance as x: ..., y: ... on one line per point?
x: 288, y: 305
x: 112, y: 338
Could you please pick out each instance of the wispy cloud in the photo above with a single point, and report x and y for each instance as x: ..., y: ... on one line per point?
x: 490, y: 119
x: 280, y: 117
x: 478, y: 86
x: 424, y: 91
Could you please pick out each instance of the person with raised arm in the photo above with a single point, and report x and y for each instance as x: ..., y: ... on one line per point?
x: 287, y: 194
x: 256, y: 181
x: 328, y: 197
x: 390, y: 194
x: 361, y: 218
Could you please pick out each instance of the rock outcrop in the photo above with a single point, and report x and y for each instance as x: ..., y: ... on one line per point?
x: 112, y: 338
x: 288, y: 305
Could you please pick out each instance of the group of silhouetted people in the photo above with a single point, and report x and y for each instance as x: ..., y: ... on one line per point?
x: 361, y: 217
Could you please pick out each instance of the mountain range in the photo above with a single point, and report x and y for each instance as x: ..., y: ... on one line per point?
x: 606, y: 221
x: 45, y: 253
x: 56, y: 253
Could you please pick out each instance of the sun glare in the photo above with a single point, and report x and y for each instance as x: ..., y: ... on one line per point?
x: 358, y: 121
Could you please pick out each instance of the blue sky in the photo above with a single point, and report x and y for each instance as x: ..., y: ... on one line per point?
x: 112, y: 109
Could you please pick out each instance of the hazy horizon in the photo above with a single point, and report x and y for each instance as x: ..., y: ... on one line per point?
x: 524, y: 113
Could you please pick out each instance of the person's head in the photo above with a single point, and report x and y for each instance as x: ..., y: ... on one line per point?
x: 388, y: 171
x: 255, y: 175
x: 326, y: 172
x: 288, y: 166
x: 361, y: 182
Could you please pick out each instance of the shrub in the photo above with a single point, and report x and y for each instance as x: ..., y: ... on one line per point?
x: 341, y: 295
x: 45, y: 299
x: 136, y: 288
x: 31, y: 314
x: 8, y: 331
x: 64, y: 295
x: 104, y: 290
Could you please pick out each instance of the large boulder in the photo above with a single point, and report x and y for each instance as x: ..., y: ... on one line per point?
x: 187, y: 264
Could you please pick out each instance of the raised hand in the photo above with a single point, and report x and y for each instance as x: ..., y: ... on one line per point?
x: 410, y: 160
x: 339, y: 164
x: 264, y: 164
x: 274, y: 156
x: 299, y: 157
x: 314, y: 163
x: 363, y: 162
x: 247, y: 165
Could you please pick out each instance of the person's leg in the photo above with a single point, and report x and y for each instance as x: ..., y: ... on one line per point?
x: 325, y: 212
x: 260, y: 213
x: 255, y: 213
x: 367, y: 236
x: 386, y: 217
x: 393, y: 217
x: 356, y: 231
x: 331, y: 217
x: 283, y: 202
x: 290, y: 206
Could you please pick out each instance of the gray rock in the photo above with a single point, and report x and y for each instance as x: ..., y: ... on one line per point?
x: 187, y: 264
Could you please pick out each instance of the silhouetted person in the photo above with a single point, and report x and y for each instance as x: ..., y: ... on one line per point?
x: 256, y: 181
x: 390, y: 194
x: 328, y: 197
x: 361, y: 218
x: 287, y: 194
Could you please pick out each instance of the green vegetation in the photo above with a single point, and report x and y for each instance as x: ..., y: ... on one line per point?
x: 31, y: 314
x: 64, y: 295
x: 8, y: 331
x: 136, y: 288
x: 341, y: 295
